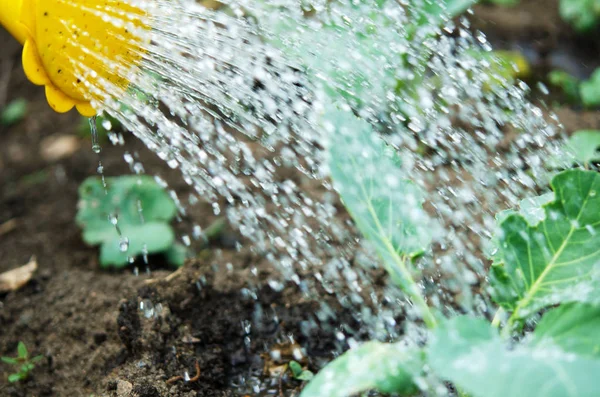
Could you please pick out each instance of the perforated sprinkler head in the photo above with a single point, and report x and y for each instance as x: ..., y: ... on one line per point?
x: 82, y: 51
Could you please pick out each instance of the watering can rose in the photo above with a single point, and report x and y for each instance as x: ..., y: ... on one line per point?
x: 78, y: 50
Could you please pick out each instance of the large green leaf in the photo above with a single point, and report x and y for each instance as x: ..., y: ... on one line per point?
x: 468, y: 352
x: 585, y: 145
x: 556, y: 260
x: 574, y: 327
x: 389, y: 368
x: 384, y: 204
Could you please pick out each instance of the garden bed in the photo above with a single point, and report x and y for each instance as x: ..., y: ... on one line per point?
x: 87, y: 322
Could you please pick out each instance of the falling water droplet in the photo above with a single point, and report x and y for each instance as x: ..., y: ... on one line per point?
x: 94, y: 131
x: 124, y: 244
x: 147, y: 308
x: 106, y: 124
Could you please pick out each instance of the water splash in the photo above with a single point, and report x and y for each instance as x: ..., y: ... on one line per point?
x: 238, y: 100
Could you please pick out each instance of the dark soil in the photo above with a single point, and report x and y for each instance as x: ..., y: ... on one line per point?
x: 87, y: 321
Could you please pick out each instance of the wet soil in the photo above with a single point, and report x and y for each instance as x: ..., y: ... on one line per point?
x: 87, y: 321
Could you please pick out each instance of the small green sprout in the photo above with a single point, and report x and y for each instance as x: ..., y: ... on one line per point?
x: 128, y: 217
x: 22, y: 363
x: 298, y: 372
x: 13, y: 112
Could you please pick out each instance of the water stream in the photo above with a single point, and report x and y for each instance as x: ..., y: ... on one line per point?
x: 239, y: 99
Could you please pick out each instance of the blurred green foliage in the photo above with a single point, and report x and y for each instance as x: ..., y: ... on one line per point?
x: 14, y: 112
x: 585, y: 92
x: 583, y: 15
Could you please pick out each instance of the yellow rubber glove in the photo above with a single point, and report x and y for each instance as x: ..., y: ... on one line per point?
x: 80, y: 50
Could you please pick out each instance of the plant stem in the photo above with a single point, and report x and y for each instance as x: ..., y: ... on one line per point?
x: 396, y: 265
x: 402, y: 276
x: 404, y: 279
x: 215, y: 229
x: 498, y: 317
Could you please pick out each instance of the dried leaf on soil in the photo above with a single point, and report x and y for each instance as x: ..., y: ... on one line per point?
x: 57, y: 147
x: 14, y: 279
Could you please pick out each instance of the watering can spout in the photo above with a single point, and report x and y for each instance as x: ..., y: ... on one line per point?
x: 82, y: 52
x: 10, y: 15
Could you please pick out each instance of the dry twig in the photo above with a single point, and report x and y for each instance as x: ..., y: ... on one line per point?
x: 179, y: 377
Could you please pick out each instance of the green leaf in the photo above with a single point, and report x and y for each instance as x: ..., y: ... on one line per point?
x: 298, y: 372
x: 22, y: 350
x: 585, y: 145
x: 14, y: 112
x: 434, y: 13
x: 9, y: 360
x: 142, y: 210
x: 177, y: 254
x: 305, y: 376
x: 12, y: 378
x: 389, y: 368
x: 25, y: 368
x: 123, y: 197
x: 468, y: 352
x: 573, y: 327
x: 296, y: 368
x: 37, y: 358
x: 582, y: 14
x: 558, y: 259
x: 151, y: 237
x: 384, y: 204
x: 590, y: 90
x: 530, y: 208
x: 567, y: 83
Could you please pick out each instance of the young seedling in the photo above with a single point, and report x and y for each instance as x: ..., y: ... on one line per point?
x: 298, y: 372
x: 128, y: 216
x: 13, y: 112
x: 23, y: 364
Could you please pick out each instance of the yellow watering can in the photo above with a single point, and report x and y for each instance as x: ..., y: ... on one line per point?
x: 78, y: 49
